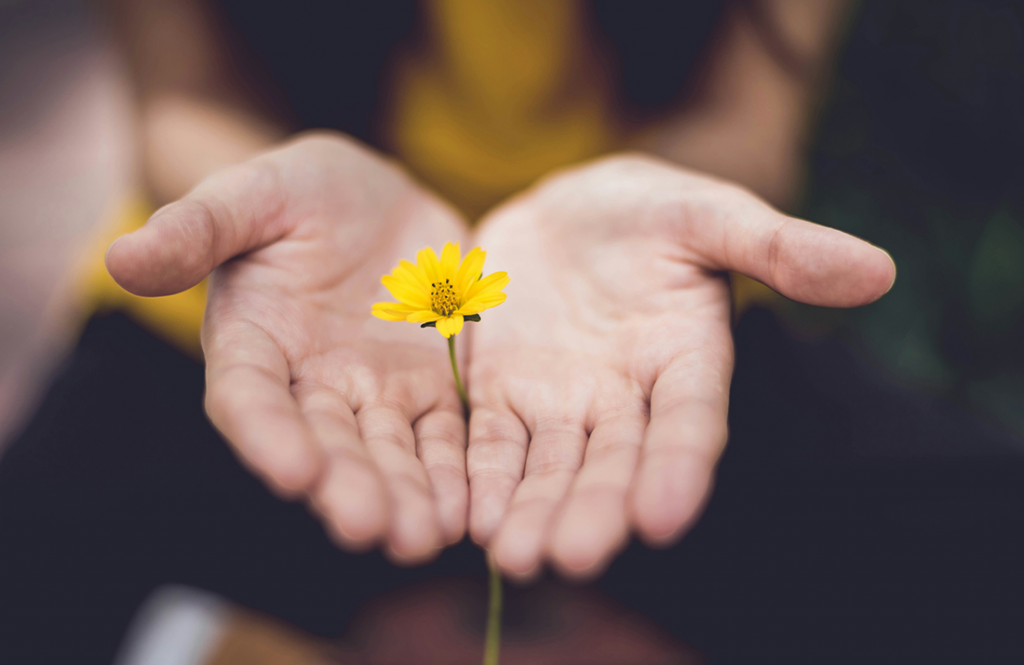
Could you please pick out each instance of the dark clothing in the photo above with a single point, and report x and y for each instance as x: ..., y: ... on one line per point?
x: 327, y: 63
x: 852, y: 521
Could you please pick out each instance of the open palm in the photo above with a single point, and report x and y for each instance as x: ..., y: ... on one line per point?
x: 600, y: 389
x: 321, y: 399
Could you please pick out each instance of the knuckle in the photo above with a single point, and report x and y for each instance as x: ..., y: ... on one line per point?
x: 558, y: 421
x: 775, y: 250
x: 410, y: 484
x: 553, y: 466
x: 494, y: 429
x: 622, y: 453
x: 451, y: 435
x: 194, y: 224
x: 496, y: 480
x: 445, y: 471
x: 218, y: 403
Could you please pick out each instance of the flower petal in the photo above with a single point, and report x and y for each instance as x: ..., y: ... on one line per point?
x: 451, y: 325
x: 450, y: 257
x: 387, y: 314
x: 470, y: 269
x: 392, y: 311
x: 442, y: 326
x: 404, y: 276
x: 406, y: 292
x: 395, y: 307
x: 423, y: 316
x: 489, y: 285
x: 427, y: 259
x: 412, y: 273
x: 480, y: 303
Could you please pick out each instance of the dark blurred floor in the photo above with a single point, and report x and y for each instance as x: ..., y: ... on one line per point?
x: 853, y: 521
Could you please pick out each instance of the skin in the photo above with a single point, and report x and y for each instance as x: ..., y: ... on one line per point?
x: 600, y: 389
x: 357, y: 415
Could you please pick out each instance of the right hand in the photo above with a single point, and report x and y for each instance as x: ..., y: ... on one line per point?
x: 600, y: 390
x: 316, y: 395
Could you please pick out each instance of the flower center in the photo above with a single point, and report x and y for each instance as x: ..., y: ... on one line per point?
x: 442, y: 298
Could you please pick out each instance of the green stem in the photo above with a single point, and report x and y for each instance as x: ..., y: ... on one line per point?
x: 492, y: 642
x: 493, y: 639
x: 458, y: 379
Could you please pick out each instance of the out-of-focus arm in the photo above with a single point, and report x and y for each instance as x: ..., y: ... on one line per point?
x: 195, y: 111
x: 750, y: 115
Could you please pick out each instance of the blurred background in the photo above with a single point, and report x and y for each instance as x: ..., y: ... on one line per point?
x: 914, y: 141
x: 66, y: 127
x: 919, y: 151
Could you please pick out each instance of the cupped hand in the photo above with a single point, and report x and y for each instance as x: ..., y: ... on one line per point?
x: 600, y: 389
x: 316, y: 395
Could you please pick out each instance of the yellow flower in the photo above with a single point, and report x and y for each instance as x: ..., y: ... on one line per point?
x: 441, y: 292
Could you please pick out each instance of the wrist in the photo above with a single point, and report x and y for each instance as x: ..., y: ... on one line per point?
x: 183, y: 139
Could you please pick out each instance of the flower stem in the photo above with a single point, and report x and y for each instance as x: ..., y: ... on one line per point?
x: 492, y: 641
x: 458, y: 379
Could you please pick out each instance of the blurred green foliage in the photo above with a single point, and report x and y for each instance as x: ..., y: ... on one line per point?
x: 920, y: 150
x: 996, y: 278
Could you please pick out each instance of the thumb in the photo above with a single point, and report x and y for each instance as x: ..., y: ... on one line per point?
x: 806, y: 262
x: 231, y: 212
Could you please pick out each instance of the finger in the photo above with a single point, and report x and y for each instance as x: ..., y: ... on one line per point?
x: 415, y: 534
x: 813, y: 264
x: 351, y: 496
x: 555, y: 455
x: 685, y: 437
x: 593, y: 525
x: 494, y: 462
x: 441, y: 446
x: 231, y: 212
x: 249, y: 401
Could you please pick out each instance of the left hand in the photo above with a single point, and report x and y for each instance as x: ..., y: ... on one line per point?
x: 358, y: 416
x: 600, y: 390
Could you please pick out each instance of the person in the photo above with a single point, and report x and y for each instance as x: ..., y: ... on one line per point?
x: 600, y: 391
x: 617, y: 324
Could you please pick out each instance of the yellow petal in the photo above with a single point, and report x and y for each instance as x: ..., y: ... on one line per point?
x: 395, y: 307
x: 388, y: 315
x: 404, y: 276
x: 470, y: 269
x: 423, y: 316
x: 480, y: 303
x: 427, y: 260
x: 442, y: 326
x: 407, y: 293
x: 392, y: 311
x: 449, y: 325
x: 411, y: 273
x: 489, y: 285
x: 450, y: 257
